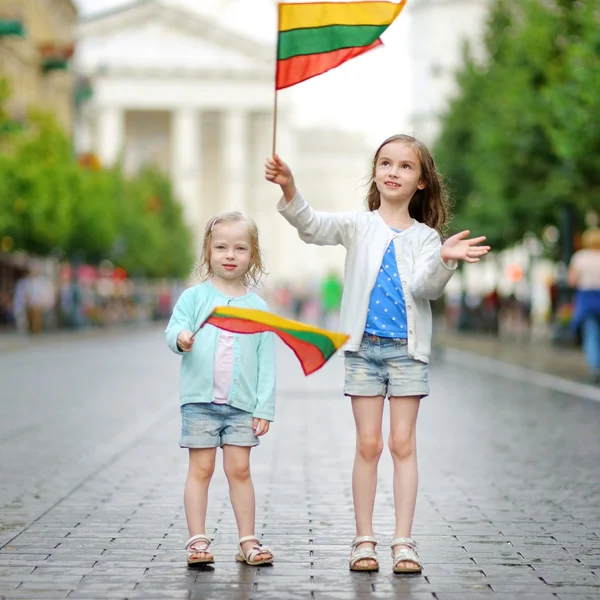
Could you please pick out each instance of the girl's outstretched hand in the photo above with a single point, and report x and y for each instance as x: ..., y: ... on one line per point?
x: 458, y: 247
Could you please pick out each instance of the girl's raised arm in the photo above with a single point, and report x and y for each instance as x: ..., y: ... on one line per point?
x: 320, y: 228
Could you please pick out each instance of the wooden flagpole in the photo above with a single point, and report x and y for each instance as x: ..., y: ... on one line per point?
x: 276, y: 73
x: 274, y: 123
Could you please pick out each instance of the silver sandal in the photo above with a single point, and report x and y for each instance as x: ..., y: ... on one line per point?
x: 191, y: 548
x: 250, y: 557
x: 363, y: 553
x: 406, y: 555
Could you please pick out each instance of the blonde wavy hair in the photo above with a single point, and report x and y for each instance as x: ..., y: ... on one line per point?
x: 430, y: 205
x: 256, y: 270
x: 591, y: 238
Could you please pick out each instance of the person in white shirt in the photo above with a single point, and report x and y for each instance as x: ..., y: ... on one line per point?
x: 395, y: 264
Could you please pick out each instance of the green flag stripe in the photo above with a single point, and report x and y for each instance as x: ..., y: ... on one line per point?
x: 322, y: 342
x: 301, y: 42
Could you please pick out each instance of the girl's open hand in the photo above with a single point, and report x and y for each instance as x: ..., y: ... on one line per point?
x: 458, y: 247
x: 185, y: 340
x: 278, y: 172
x: 260, y: 426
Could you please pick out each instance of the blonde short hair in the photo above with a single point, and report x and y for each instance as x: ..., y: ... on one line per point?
x: 591, y: 238
x: 255, y: 270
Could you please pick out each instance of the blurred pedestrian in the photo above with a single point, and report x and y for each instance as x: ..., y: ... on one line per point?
x: 584, y: 274
x: 34, y: 294
x: 331, y: 298
x: 227, y: 383
x: 395, y: 264
x: 6, y: 309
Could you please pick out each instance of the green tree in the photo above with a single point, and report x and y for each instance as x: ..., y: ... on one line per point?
x: 94, y: 214
x: 517, y: 140
x: 157, y: 242
x: 49, y: 203
x: 37, y: 187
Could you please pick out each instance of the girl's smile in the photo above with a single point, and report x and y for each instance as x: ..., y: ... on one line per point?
x: 230, y: 251
x: 398, y: 172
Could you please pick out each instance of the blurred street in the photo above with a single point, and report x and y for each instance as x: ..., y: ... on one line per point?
x: 91, y: 484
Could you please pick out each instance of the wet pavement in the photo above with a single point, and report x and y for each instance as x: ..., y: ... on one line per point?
x: 534, y: 352
x: 91, y: 483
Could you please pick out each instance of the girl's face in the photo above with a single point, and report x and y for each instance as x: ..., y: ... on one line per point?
x: 398, y: 172
x: 230, y: 250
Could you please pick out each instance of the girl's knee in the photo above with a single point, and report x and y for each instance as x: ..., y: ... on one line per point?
x: 402, y: 446
x: 236, y: 463
x: 201, y: 468
x: 370, y: 447
x: 237, y: 471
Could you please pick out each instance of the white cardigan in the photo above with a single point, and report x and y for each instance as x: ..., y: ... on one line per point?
x: 366, y: 237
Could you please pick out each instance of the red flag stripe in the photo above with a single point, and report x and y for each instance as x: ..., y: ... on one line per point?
x: 300, y: 68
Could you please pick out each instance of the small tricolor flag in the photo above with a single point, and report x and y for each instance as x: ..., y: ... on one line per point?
x: 315, y: 37
x: 313, y: 346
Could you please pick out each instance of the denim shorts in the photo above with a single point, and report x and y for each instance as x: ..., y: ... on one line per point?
x: 381, y: 367
x: 210, y: 425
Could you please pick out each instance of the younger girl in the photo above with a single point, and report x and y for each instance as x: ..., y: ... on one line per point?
x: 227, y: 385
x: 395, y: 264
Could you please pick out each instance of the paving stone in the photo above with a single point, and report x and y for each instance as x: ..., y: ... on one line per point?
x: 22, y: 594
x: 100, y: 515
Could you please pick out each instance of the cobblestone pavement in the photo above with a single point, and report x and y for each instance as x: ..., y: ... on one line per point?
x: 91, y: 482
x: 539, y: 355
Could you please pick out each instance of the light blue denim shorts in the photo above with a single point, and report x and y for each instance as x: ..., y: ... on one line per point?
x: 381, y: 367
x: 210, y: 425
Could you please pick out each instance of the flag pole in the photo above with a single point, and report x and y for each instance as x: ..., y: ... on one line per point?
x: 274, y: 123
x: 276, y: 73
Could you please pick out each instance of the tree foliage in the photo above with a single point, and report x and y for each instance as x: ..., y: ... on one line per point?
x: 51, y: 204
x: 520, y: 139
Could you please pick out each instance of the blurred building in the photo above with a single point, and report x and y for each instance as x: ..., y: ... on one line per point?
x: 332, y: 169
x: 439, y: 29
x: 36, y: 42
x: 180, y: 90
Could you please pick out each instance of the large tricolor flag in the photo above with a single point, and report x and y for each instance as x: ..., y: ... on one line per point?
x: 312, y: 346
x: 315, y: 37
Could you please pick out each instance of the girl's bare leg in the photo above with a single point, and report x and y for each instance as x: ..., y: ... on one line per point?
x: 403, y: 447
x: 195, y: 497
x: 236, y: 462
x: 368, y: 413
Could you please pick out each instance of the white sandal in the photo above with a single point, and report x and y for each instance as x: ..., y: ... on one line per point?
x: 250, y: 557
x: 406, y: 555
x: 363, y: 553
x: 192, y: 549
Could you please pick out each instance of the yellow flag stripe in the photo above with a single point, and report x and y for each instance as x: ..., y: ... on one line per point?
x: 322, y: 14
x: 267, y: 318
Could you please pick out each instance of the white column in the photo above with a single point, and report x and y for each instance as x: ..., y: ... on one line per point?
x: 234, y: 162
x: 186, y: 164
x: 111, y: 134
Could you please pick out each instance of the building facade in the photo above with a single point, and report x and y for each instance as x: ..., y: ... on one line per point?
x: 36, y: 43
x: 176, y: 89
x: 439, y: 30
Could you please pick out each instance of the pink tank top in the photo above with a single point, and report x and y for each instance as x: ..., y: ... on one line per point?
x: 223, y: 372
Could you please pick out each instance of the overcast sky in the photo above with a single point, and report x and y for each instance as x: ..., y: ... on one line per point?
x: 370, y: 94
